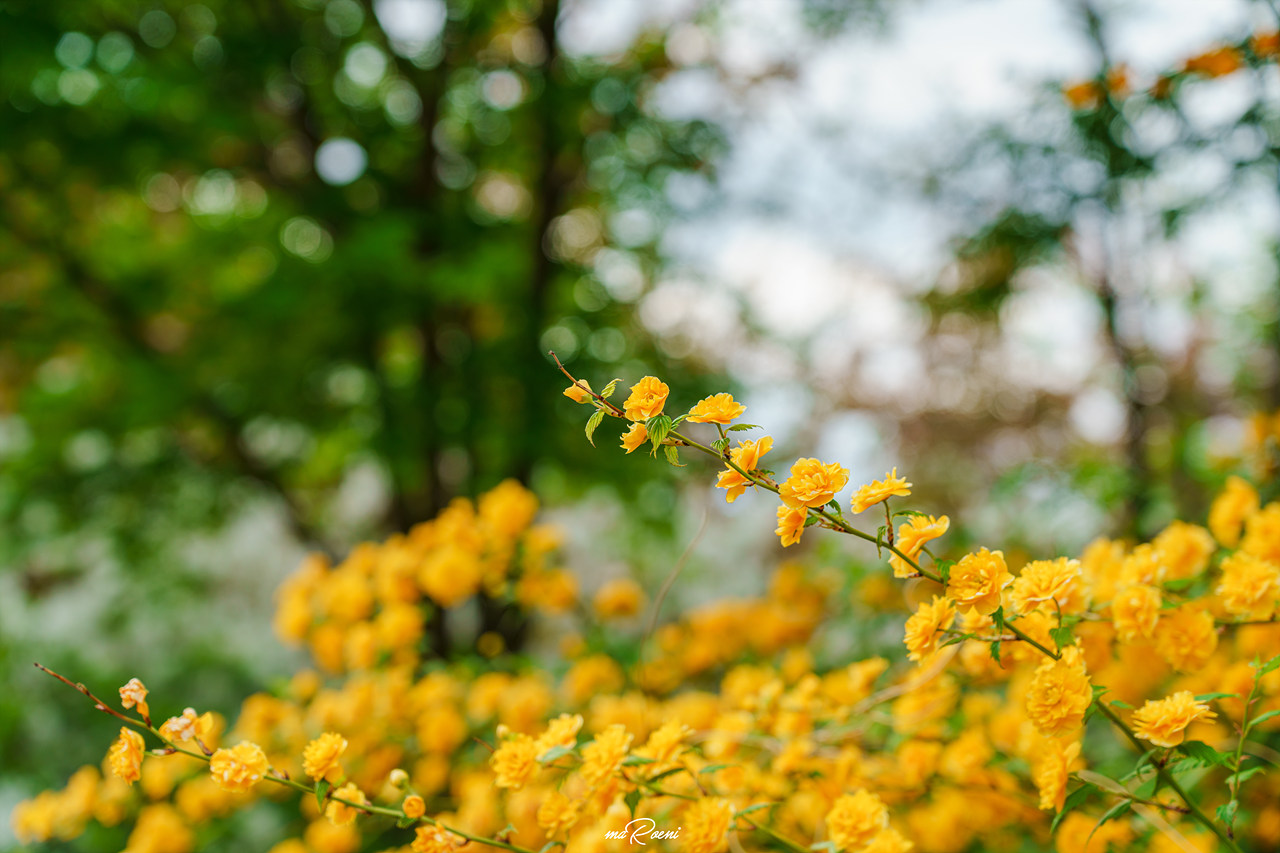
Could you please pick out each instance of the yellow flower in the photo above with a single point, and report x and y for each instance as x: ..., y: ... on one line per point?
x: 648, y: 396
x: 889, y: 841
x: 913, y: 535
x: 562, y: 731
x: 1053, y: 771
x: 855, y: 819
x: 716, y: 409
x: 557, y: 814
x: 790, y: 524
x: 878, y: 491
x: 923, y: 627
x: 603, y: 756
x: 633, y: 438
x: 125, y: 755
x: 187, y: 727
x: 746, y: 456
x: 1250, y: 586
x: 433, y: 839
x: 1043, y: 582
x: 977, y: 581
x: 1234, y: 504
x: 341, y: 814
x: 1135, y: 611
x: 515, y: 762
x: 1262, y: 533
x: 135, y: 693
x: 1184, y: 549
x: 413, y: 806
x: 160, y: 829
x: 1164, y: 721
x: 618, y: 599
x: 1059, y: 694
x: 576, y: 393
x: 706, y: 825
x: 320, y: 757
x: 664, y: 746
x: 239, y: 768
x: 1186, y: 638
x: 812, y: 483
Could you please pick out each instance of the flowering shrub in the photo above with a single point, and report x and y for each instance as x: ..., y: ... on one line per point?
x: 1123, y: 699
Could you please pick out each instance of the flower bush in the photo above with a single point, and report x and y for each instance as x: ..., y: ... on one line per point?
x: 1125, y: 698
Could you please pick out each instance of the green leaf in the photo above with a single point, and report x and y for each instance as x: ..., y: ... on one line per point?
x: 714, y: 768
x: 658, y: 427
x: 1245, y: 775
x: 1227, y: 811
x: 1062, y: 637
x: 632, y: 800
x: 741, y: 427
x: 720, y: 444
x: 1262, y: 718
x: 610, y: 388
x: 998, y: 618
x: 678, y: 419
x: 958, y: 638
x: 1120, y: 808
x: 834, y: 504
x: 553, y: 753
x: 673, y: 455
x: 944, y: 570
x: 322, y: 793
x: 1203, y: 753
x: 911, y: 513
x: 592, y: 423
x: 811, y: 521
x: 1269, y: 666
x: 757, y: 807
x: 1073, y: 800
x: 406, y: 822
x: 1118, y: 703
x: 1209, y: 697
x: 995, y: 652
x: 632, y: 760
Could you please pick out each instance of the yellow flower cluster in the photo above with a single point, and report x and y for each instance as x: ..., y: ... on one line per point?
x: 747, y: 724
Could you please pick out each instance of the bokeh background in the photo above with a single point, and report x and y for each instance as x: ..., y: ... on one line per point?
x: 280, y: 276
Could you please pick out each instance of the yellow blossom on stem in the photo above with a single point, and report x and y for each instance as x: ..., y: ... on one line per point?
x: 239, y: 768
x: 1042, y: 583
x: 1135, y: 611
x: 434, y: 839
x: 923, y: 627
x: 135, y: 693
x: 413, y: 806
x: 618, y: 599
x: 716, y: 409
x: 320, y: 757
x: 1059, y: 694
x: 557, y: 814
x: 562, y: 731
x: 977, y: 581
x: 889, y: 841
x: 647, y: 398
x: 1250, y: 586
x: 791, y: 521
x: 188, y: 726
x: 913, y: 535
x: 1164, y: 721
x: 746, y: 456
x: 125, y: 755
x: 1231, y: 508
x: 1053, y: 771
x: 855, y: 819
x: 603, y: 756
x: 341, y: 814
x: 706, y: 825
x: 1186, y: 638
x: 812, y: 483
x: 633, y: 438
x: 577, y: 393
x: 879, y: 491
x: 515, y: 761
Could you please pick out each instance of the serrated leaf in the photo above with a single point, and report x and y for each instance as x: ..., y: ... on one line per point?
x: 553, y: 753
x: 678, y: 419
x: 811, y: 521
x: 720, y: 444
x: 658, y: 427
x: 1261, y: 718
x: 1202, y: 752
x: 1244, y: 775
x: 322, y: 793
x: 1209, y: 697
x: 1120, y: 808
x: 910, y: 513
x: 995, y: 652
x: 944, y: 571
x: 1119, y: 703
x: 741, y: 427
x: 1073, y: 800
x: 1062, y: 636
x: 998, y: 618
x: 959, y: 638
x: 834, y: 504
x: 673, y: 455
x: 610, y: 388
x: 592, y: 423
x: 1227, y: 811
